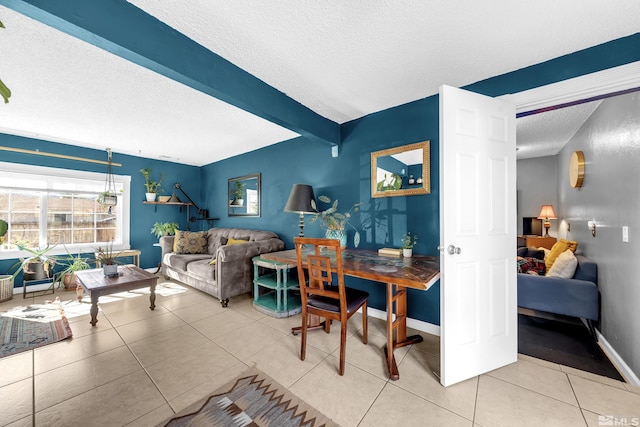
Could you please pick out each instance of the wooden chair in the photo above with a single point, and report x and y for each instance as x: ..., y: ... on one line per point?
x: 320, y: 296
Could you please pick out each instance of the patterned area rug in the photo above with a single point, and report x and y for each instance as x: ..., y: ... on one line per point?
x: 26, y: 328
x: 252, y: 399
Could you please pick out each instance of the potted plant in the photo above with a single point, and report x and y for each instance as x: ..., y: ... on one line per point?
x: 160, y: 229
x: 72, y: 264
x: 238, y: 194
x: 36, y: 267
x: 5, y: 92
x: 335, y: 222
x: 4, y: 227
x: 408, y: 242
x: 107, y: 258
x: 108, y: 198
x: 152, y: 187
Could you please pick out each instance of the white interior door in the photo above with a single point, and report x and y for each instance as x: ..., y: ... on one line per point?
x: 478, y: 303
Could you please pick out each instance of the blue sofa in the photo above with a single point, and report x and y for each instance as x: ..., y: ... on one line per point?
x: 575, y: 297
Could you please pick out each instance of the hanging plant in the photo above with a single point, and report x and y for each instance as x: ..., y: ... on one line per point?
x: 5, y: 92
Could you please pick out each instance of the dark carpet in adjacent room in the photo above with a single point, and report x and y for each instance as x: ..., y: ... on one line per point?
x: 564, y: 343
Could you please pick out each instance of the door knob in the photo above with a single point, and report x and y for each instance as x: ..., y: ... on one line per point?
x: 452, y: 250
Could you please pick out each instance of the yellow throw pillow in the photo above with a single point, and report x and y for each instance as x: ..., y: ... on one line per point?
x: 559, y: 247
x: 235, y: 241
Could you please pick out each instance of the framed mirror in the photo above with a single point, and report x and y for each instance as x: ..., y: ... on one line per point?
x: 244, y: 195
x: 401, y: 171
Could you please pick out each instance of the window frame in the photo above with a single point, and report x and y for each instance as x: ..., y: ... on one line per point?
x: 56, y: 175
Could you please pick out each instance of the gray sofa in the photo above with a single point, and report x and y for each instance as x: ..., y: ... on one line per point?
x: 575, y: 297
x: 232, y: 272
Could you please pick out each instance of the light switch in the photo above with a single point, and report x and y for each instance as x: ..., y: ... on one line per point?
x: 625, y: 234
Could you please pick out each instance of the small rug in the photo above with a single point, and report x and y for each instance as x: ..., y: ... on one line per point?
x: 252, y: 399
x: 26, y: 328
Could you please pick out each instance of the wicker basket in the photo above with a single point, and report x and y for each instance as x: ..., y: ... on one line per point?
x: 6, y: 287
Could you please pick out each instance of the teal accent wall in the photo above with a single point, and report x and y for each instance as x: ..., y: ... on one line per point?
x: 306, y: 159
x: 382, y: 221
x: 142, y: 216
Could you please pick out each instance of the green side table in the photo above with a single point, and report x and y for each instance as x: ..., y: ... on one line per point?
x: 278, y: 301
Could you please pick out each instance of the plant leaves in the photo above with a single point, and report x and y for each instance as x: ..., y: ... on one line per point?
x: 5, y: 92
x: 324, y: 199
x: 356, y: 239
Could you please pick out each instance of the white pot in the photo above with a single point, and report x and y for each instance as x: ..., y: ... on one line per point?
x: 407, y: 253
x: 110, y: 270
x: 151, y: 197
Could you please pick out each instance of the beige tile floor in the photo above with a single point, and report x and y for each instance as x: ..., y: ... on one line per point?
x: 137, y: 367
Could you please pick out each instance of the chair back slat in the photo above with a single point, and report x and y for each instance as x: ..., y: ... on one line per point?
x: 318, y: 260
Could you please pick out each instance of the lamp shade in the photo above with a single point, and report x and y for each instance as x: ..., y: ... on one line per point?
x: 300, y: 199
x: 547, y: 212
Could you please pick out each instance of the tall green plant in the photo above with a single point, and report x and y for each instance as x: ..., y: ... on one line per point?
x: 5, y: 92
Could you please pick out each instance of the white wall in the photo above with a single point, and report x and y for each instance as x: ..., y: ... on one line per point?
x: 610, y: 195
x: 537, y: 185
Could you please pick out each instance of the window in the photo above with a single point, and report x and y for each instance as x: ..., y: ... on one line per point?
x: 48, y: 206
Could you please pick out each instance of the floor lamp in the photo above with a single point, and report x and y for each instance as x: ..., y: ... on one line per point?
x: 300, y: 202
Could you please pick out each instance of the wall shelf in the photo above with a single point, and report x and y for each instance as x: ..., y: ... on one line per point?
x: 169, y: 203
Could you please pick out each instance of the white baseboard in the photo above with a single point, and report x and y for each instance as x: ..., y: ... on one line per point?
x: 615, y: 358
x: 429, y: 328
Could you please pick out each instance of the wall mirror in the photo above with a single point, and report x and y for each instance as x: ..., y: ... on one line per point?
x: 401, y: 171
x: 244, y: 195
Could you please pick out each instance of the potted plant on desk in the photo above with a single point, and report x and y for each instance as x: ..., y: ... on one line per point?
x: 408, y: 243
x: 335, y: 222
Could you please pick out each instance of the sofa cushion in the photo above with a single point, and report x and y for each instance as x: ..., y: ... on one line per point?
x: 180, y: 262
x: 202, y: 269
x: 190, y: 242
x: 559, y: 247
x: 564, y: 266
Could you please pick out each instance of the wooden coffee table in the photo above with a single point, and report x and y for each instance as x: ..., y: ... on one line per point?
x: 95, y: 283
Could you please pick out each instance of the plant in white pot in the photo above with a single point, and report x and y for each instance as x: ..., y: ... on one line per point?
x: 107, y: 258
x: 152, y: 187
x: 408, y: 242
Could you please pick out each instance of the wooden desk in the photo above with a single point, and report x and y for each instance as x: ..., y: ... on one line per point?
x: 537, y: 241
x: 417, y: 272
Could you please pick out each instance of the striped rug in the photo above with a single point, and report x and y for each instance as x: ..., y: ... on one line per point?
x: 252, y: 399
x: 26, y: 328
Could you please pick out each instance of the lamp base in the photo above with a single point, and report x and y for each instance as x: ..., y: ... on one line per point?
x: 546, y: 229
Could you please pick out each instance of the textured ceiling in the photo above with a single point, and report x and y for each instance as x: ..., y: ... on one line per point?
x: 342, y: 60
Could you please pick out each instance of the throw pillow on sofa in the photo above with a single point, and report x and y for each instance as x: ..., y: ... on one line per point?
x: 229, y: 241
x: 190, y: 242
x: 531, y: 265
x: 559, y: 247
x: 564, y: 266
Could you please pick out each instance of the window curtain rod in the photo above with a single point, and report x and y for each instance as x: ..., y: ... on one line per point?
x: 59, y: 156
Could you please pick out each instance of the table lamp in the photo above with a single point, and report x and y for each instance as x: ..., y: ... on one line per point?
x: 300, y: 201
x: 547, y: 213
